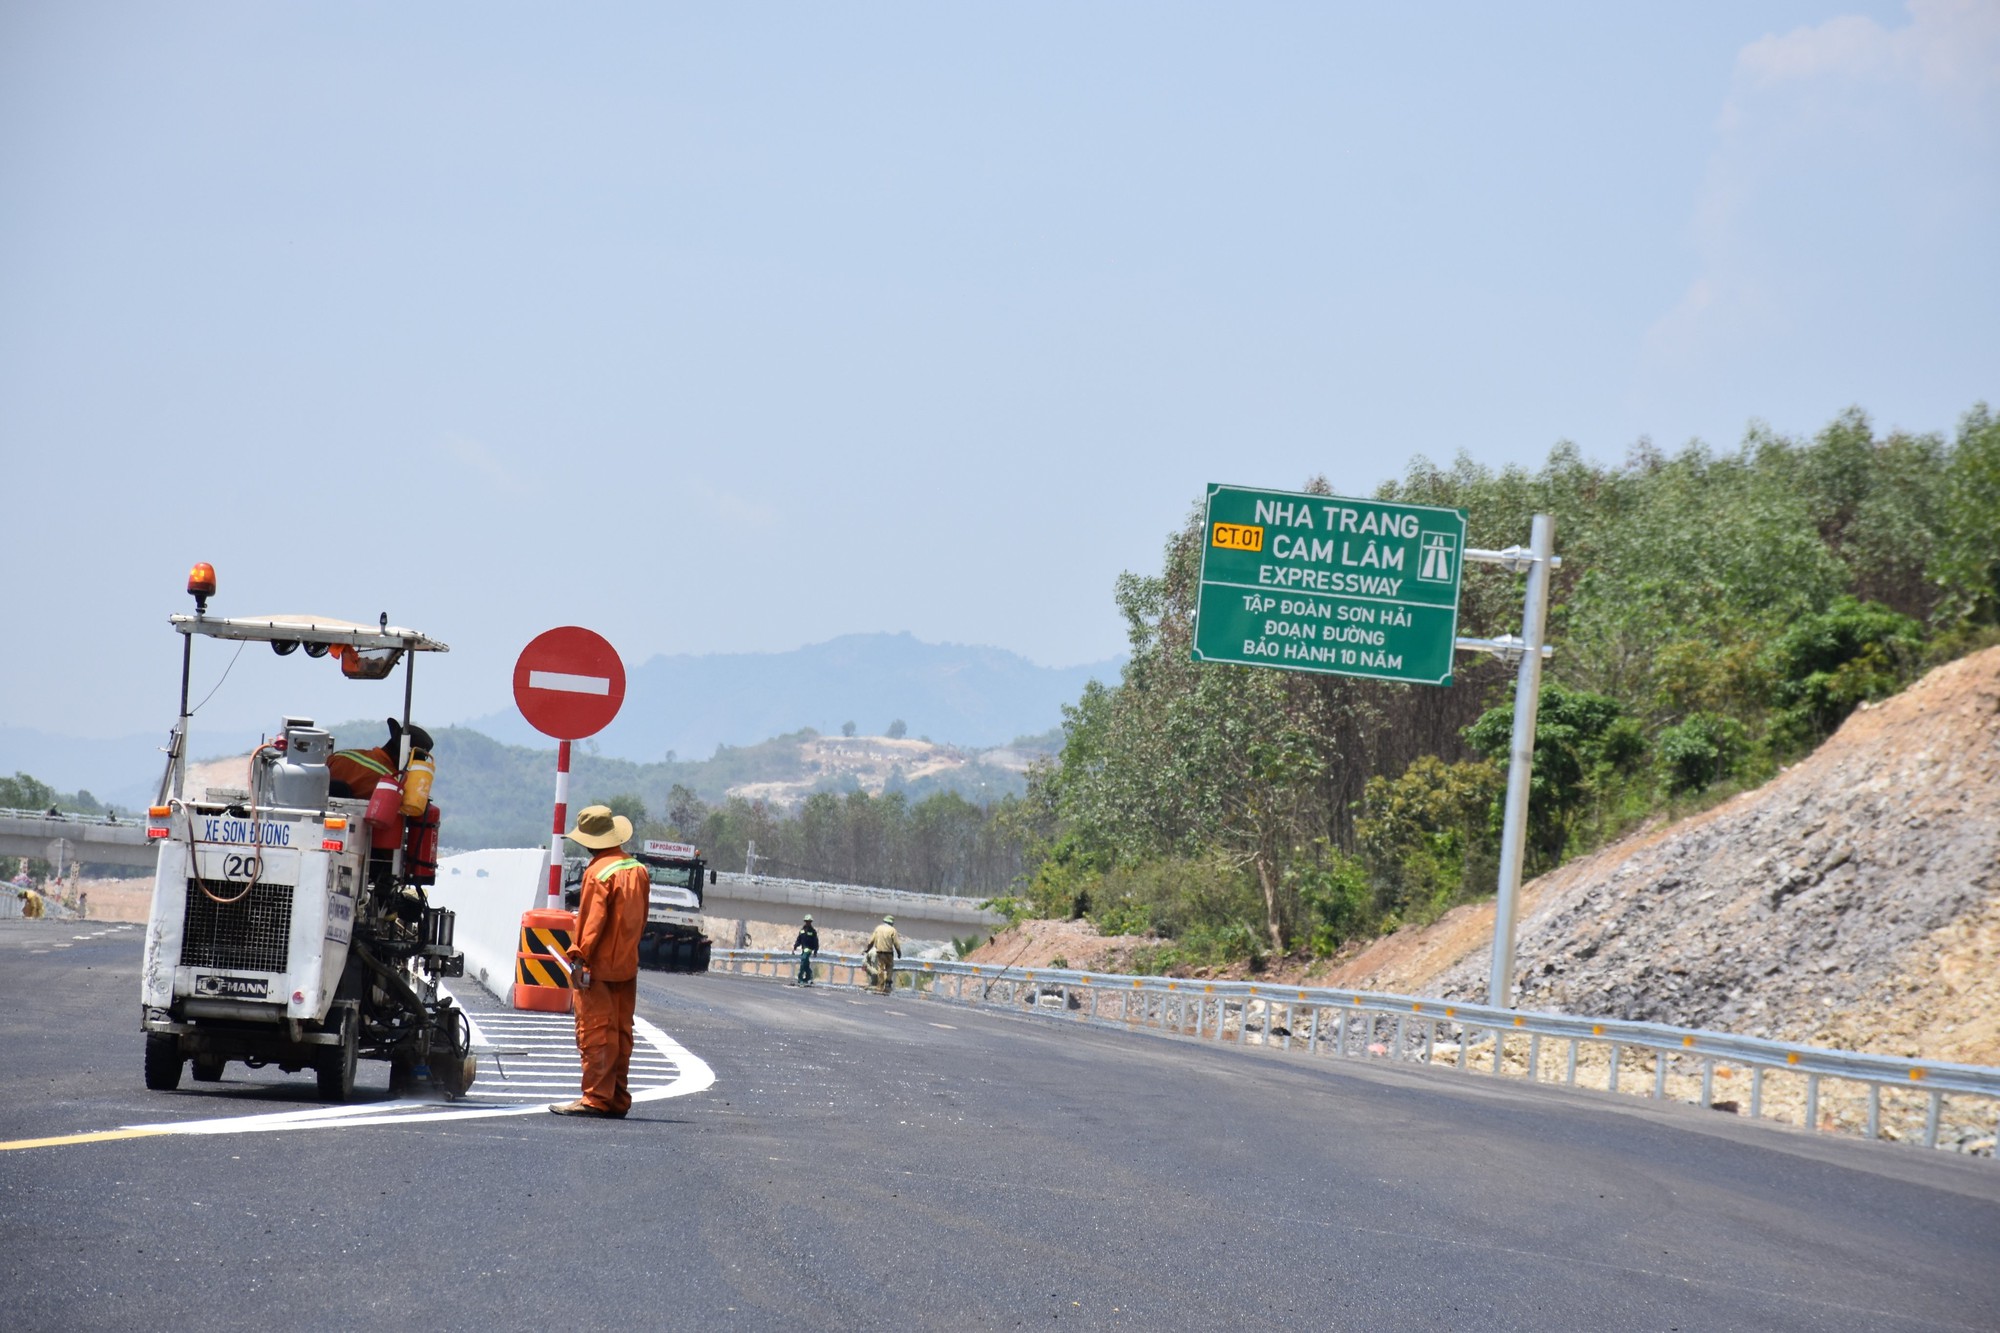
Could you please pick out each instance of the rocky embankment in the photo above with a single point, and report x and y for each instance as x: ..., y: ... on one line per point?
x: 1853, y: 901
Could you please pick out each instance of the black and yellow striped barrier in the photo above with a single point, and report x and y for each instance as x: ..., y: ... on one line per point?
x: 541, y: 963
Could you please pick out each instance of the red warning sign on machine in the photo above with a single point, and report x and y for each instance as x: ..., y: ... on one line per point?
x: 569, y: 683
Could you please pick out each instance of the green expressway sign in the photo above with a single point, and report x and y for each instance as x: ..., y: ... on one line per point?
x: 1323, y: 583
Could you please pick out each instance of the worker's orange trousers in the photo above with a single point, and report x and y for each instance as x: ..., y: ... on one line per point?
x: 604, y: 1041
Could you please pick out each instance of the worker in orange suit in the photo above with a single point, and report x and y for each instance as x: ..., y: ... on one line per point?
x: 354, y: 773
x: 604, y: 961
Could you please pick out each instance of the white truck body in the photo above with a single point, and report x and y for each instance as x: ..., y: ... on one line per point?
x: 272, y: 951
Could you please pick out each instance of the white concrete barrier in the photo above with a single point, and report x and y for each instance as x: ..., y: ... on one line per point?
x: 489, y: 890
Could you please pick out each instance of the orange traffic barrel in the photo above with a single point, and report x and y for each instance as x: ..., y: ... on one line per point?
x: 541, y: 964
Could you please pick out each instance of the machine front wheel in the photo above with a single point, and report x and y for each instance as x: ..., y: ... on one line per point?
x: 336, y: 1063
x: 163, y: 1061
x: 208, y: 1068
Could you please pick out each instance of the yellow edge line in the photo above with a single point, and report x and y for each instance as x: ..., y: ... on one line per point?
x: 102, y: 1136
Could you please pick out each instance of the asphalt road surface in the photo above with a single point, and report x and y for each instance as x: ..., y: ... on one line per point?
x: 861, y: 1161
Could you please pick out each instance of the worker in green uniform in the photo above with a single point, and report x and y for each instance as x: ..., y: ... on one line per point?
x: 883, y: 948
x: 807, y: 944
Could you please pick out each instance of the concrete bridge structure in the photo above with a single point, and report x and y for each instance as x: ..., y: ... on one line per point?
x: 919, y: 916
x: 489, y: 890
x: 88, y: 839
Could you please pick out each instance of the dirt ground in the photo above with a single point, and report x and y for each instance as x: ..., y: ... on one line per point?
x: 1072, y: 944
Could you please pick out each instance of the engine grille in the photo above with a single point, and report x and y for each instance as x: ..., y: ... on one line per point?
x: 253, y: 935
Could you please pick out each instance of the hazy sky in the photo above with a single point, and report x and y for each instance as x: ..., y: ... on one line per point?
x: 737, y: 327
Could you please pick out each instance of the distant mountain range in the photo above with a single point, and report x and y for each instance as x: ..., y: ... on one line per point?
x: 957, y: 694
x: 968, y: 696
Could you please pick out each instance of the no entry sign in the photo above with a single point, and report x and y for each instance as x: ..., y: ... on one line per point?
x: 569, y: 683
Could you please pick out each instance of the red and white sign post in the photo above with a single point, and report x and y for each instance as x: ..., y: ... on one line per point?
x: 569, y: 684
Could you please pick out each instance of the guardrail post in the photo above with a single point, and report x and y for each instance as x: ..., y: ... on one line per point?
x: 1430, y: 1038
x: 1874, y: 1111
x: 1931, y: 1119
x: 1611, y: 1080
x: 1571, y: 1077
x: 1659, y: 1074
x: 1534, y: 1056
x: 1757, y: 1092
x: 1812, y: 1101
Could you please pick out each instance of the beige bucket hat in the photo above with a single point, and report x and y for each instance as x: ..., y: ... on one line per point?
x: 597, y: 828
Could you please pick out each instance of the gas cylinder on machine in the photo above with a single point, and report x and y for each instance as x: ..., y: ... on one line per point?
x: 417, y: 784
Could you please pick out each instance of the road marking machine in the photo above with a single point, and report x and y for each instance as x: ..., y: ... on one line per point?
x: 290, y: 924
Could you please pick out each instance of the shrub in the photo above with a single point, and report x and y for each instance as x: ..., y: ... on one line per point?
x: 1701, y: 751
x: 1822, y: 666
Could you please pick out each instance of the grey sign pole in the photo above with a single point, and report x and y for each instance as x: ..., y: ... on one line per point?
x: 1521, y: 760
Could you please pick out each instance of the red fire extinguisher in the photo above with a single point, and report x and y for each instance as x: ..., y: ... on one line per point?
x: 420, y: 845
x: 385, y: 814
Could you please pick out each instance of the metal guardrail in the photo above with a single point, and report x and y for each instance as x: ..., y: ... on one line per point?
x: 70, y: 817
x: 1877, y: 1094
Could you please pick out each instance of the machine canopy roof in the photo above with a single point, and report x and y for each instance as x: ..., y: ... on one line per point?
x: 308, y: 629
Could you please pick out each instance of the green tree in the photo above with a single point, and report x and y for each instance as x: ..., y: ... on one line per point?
x: 22, y: 792
x: 1427, y: 836
x: 1700, y: 751
x: 1967, y: 562
x: 1337, y: 897
x: 1824, y: 665
x: 1583, y: 743
x: 686, y: 812
x: 898, y: 729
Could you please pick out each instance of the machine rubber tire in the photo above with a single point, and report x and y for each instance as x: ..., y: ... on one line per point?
x: 163, y: 1061
x: 649, y: 952
x: 207, y: 1068
x: 701, y: 949
x: 335, y: 1067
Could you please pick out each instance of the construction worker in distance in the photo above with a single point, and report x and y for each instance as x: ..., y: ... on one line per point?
x: 31, y: 903
x: 604, y: 962
x: 354, y: 773
x: 883, y: 948
x: 807, y: 944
